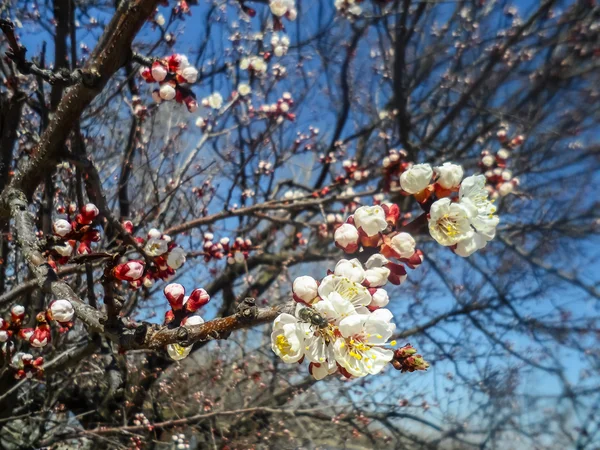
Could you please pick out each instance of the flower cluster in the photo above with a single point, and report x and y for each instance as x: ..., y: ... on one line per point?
x: 59, y: 311
x: 280, y: 44
x: 254, y: 64
x: 352, y: 172
x: 279, y: 111
x: 166, y: 255
x: 237, y: 252
x: 280, y: 9
x: 494, y: 166
x: 371, y: 226
x: 173, y: 74
x: 407, y: 360
x: 460, y: 213
x: 182, y: 312
x: 348, y: 8
x: 340, y: 323
x: 466, y: 222
x: 73, y: 234
x: 26, y: 366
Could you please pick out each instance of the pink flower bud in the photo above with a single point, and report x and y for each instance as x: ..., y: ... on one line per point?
x: 305, y: 289
x: 159, y: 71
x: 84, y: 248
x: 379, y: 298
x: 61, y: 311
x: 167, y: 92
x: 392, y: 213
x: 154, y: 234
x: 90, y: 212
x: 192, y: 320
x: 175, y: 294
x: 146, y: 74
x: 17, y: 313
x: 346, y: 237
x: 198, y: 298
x: 403, y: 245
x: 41, y: 336
x: 190, y: 74
x: 61, y: 227
x: 130, y: 271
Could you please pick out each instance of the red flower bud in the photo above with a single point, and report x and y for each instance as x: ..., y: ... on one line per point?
x: 90, y: 212
x: 175, y: 294
x: 198, y: 298
x: 130, y: 271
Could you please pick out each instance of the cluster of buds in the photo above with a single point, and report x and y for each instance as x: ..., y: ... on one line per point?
x: 352, y: 172
x: 255, y: 64
x: 393, y: 165
x: 372, y: 226
x: 328, y: 158
x: 348, y: 8
x: 279, y: 71
x: 280, y: 45
x: 332, y: 222
x: 213, y: 101
x: 140, y: 419
x: 139, y: 109
x: 59, y: 311
x: 26, y: 366
x: 166, y: 255
x: 279, y: 111
x: 74, y: 234
x: 180, y: 441
x: 173, y: 74
x: 500, y: 180
x: 280, y: 9
x: 183, y: 312
x: 237, y: 252
x: 264, y: 168
x: 204, y: 192
x: 407, y: 360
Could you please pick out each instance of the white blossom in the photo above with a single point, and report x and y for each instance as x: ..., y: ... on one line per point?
x: 449, y: 175
x: 449, y: 222
x: 359, y: 350
x: 416, y: 178
x: 351, y: 269
x: 403, y: 244
x: 336, y: 286
x: 370, y: 219
x: 287, y: 338
x: 280, y: 8
x: 346, y: 237
x: 156, y: 247
x: 176, y: 258
x: 61, y: 227
x: 62, y: 310
x: 376, y: 274
x: 473, y: 196
x: 244, y: 89
x: 178, y: 352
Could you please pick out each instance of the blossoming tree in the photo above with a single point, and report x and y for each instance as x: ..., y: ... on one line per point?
x: 223, y: 223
